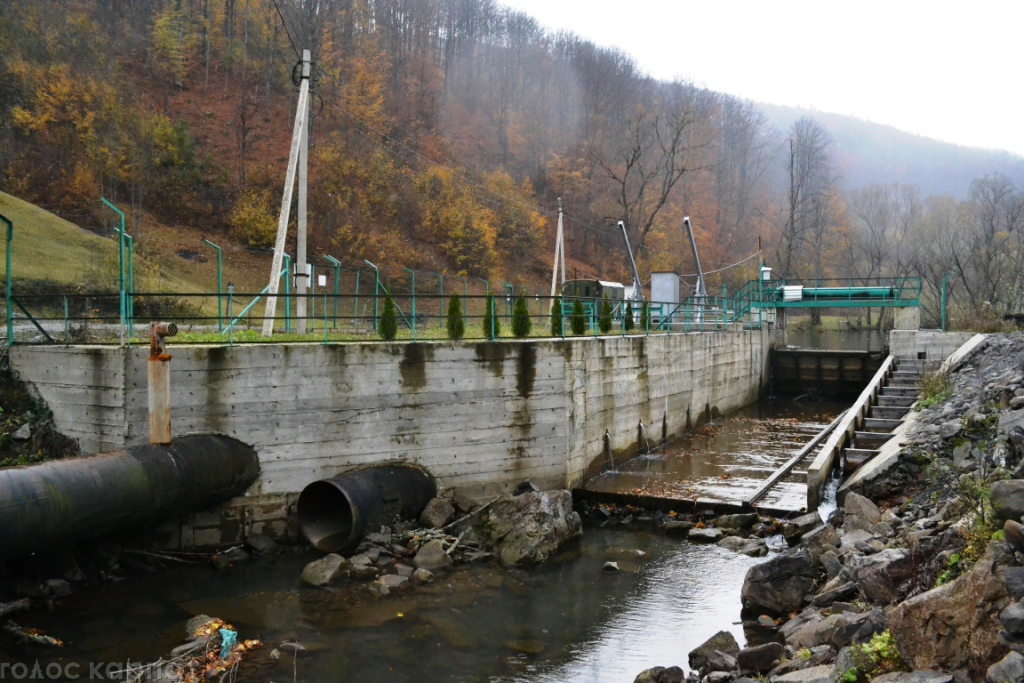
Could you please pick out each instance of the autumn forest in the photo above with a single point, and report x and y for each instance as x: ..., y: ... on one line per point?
x: 443, y: 134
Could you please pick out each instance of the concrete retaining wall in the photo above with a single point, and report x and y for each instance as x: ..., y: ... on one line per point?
x: 935, y: 345
x: 480, y: 417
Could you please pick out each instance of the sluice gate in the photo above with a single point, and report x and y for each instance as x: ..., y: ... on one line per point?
x: 816, y: 373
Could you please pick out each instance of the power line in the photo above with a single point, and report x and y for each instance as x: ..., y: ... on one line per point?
x: 286, y: 31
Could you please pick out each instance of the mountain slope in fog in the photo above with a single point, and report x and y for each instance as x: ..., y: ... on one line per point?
x: 872, y: 152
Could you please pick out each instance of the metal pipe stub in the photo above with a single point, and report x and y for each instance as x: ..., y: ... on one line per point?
x: 66, y: 501
x: 335, y: 513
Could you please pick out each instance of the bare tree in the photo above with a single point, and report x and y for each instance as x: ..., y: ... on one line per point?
x: 811, y: 188
x: 660, y: 146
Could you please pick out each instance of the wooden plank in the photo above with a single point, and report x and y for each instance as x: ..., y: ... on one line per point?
x: 794, y: 461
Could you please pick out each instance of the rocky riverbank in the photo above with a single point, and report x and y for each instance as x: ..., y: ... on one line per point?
x: 518, y: 530
x: 918, y: 580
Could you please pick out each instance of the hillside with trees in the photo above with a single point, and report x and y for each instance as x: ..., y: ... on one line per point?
x: 443, y: 133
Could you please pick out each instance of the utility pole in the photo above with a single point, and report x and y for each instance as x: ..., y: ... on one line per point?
x: 559, y: 253
x: 301, y: 275
x: 301, y: 116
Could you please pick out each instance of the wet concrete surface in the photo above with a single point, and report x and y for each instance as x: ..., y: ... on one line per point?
x: 728, y: 459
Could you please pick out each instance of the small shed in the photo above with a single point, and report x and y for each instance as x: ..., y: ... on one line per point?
x: 664, y: 294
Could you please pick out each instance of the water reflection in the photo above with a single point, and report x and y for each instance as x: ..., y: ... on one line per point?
x: 833, y: 340
x: 565, y: 621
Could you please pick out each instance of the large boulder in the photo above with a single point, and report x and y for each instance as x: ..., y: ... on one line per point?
x: 437, y: 513
x: 1009, y: 669
x: 794, y: 529
x: 660, y: 674
x: 956, y: 625
x: 760, y: 658
x: 914, y: 677
x: 431, y: 556
x: 833, y: 630
x: 881, y: 577
x: 860, y: 513
x: 708, y: 535
x: 820, y: 541
x: 528, y: 528
x: 723, y: 641
x: 1012, y: 619
x: 324, y: 571
x: 778, y: 586
x: 826, y: 673
x: 1008, y: 499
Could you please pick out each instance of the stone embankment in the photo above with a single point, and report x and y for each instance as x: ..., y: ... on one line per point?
x: 919, y: 577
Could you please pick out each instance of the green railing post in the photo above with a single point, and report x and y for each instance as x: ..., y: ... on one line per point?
x: 355, y: 304
x: 120, y: 261
x: 325, y: 318
x: 67, y: 323
x: 231, y: 296
x: 220, y: 285
x: 8, y: 293
x: 725, y: 308
x: 494, y: 312
x: 412, y: 274
x: 487, y: 293
x: 287, y: 293
x: 376, y: 291
x: 337, y: 285
x: 129, y: 295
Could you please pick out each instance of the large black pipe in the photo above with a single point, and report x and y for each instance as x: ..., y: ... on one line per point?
x: 64, y: 501
x: 335, y: 513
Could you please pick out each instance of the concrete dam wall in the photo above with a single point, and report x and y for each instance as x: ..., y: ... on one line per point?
x: 480, y: 417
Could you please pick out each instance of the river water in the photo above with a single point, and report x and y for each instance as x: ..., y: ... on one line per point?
x: 567, y: 621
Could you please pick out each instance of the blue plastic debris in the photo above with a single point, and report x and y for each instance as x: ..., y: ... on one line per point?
x: 228, y: 638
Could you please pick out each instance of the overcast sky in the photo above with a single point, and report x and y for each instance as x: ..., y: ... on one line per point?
x: 951, y: 71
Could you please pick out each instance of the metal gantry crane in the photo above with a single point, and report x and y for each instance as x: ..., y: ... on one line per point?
x: 638, y: 289
x: 700, y: 293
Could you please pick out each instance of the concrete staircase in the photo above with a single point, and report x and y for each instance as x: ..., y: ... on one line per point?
x: 886, y: 414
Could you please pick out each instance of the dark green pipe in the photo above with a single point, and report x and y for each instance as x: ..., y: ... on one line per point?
x: 335, y: 513
x: 66, y: 501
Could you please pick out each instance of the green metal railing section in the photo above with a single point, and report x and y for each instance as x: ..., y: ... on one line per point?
x: 341, y: 305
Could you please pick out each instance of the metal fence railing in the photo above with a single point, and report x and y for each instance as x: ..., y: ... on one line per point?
x: 237, y: 317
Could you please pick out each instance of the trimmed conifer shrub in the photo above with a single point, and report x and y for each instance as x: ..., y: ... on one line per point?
x: 556, y: 317
x: 491, y: 324
x: 645, y: 317
x: 629, y: 323
x: 579, y: 319
x: 387, y: 327
x: 521, y: 324
x: 455, y: 323
x: 604, y: 321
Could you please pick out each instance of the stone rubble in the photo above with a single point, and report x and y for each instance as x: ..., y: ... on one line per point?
x: 516, y: 529
x: 918, y: 578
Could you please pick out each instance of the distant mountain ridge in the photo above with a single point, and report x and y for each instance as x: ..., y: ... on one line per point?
x: 872, y: 152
